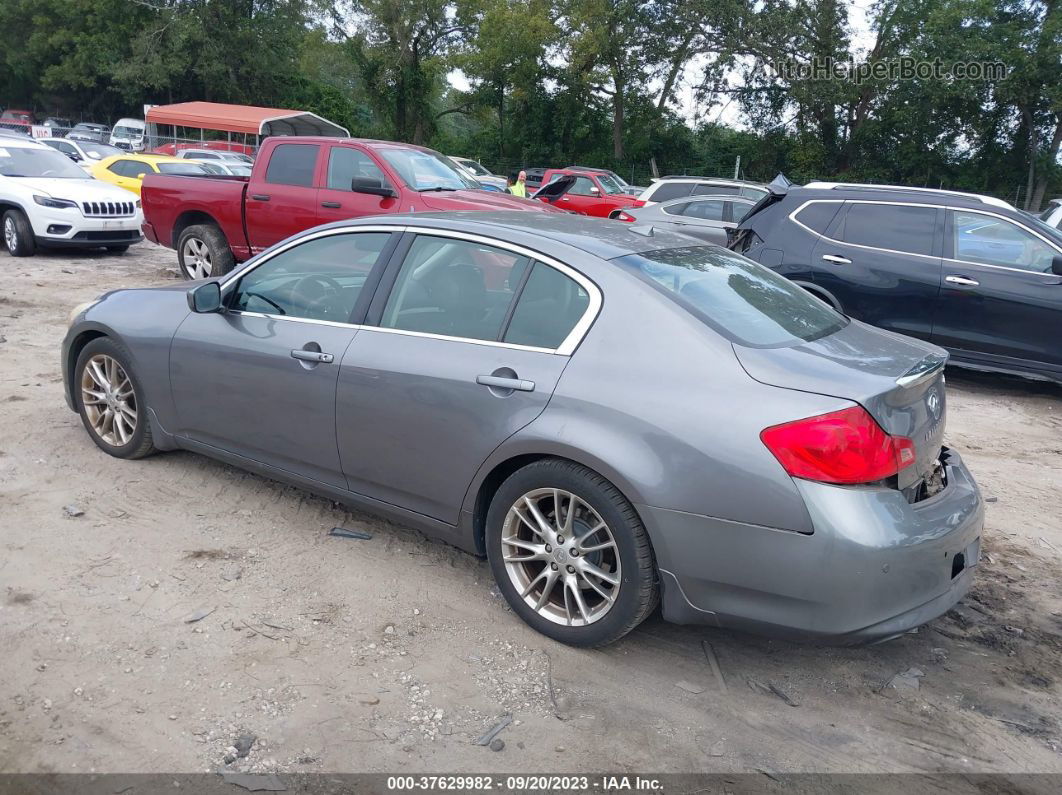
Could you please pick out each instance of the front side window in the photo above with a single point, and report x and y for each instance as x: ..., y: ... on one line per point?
x: 988, y: 240
x: 583, y: 187
x: 292, y: 164
x: 455, y: 288
x: 549, y: 307
x: 896, y: 227
x: 346, y: 165
x: 320, y: 279
x: 34, y: 161
x: 746, y: 302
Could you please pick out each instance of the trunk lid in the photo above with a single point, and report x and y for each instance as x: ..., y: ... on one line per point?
x: 898, y: 380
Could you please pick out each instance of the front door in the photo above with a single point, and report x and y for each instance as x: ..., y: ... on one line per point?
x: 336, y: 200
x: 285, y: 201
x: 883, y: 264
x: 259, y: 379
x: 453, y: 365
x: 1000, y: 299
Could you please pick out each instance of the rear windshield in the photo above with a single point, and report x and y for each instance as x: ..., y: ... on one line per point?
x: 744, y: 301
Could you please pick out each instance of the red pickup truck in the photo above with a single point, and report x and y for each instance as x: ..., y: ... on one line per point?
x: 297, y: 183
x: 587, y: 192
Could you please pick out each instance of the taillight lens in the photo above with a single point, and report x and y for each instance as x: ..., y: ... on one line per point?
x: 638, y: 203
x: 845, y: 446
x: 622, y: 216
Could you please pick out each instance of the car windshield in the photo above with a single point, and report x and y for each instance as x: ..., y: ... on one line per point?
x: 609, y: 184
x: 475, y: 168
x: 746, y: 302
x: 129, y: 132
x: 182, y: 168
x: 424, y: 171
x: 240, y: 170
x: 99, y: 151
x: 27, y: 161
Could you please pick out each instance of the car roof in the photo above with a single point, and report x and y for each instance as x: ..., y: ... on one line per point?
x: 600, y: 237
x: 713, y: 180
x: 906, y: 189
x: 894, y: 193
x: 18, y: 141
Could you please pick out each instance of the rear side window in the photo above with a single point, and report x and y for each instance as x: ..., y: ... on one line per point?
x: 707, y: 210
x: 667, y: 191
x: 292, y: 164
x: 549, y: 307
x: 893, y: 226
x: 745, y: 302
x: 818, y: 215
x: 715, y: 190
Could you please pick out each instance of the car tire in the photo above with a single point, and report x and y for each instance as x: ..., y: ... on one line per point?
x: 18, y: 234
x: 203, y: 252
x: 118, y: 249
x: 580, y: 607
x: 110, y: 399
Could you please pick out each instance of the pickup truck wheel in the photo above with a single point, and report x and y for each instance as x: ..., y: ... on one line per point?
x: 18, y: 234
x: 203, y: 252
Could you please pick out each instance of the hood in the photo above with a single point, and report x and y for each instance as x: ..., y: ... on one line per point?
x: 899, y: 380
x: 78, y: 190
x: 479, y: 200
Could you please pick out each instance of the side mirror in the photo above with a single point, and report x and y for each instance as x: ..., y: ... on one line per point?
x: 594, y: 190
x: 205, y: 298
x: 1056, y: 265
x: 75, y: 157
x: 373, y: 187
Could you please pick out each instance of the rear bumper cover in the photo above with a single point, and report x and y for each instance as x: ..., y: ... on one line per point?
x: 875, y: 566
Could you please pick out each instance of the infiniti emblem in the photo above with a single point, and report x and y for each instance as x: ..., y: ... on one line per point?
x: 933, y: 402
x: 561, y: 556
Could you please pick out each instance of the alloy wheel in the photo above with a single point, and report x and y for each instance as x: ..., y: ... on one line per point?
x: 10, y: 234
x: 109, y: 400
x: 561, y: 557
x: 197, y: 258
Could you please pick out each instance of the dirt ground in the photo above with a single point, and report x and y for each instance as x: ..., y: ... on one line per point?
x: 396, y: 653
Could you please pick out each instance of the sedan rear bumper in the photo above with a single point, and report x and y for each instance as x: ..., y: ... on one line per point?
x: 875, y: 566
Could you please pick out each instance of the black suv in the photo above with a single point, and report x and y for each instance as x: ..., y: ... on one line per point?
x: 967, y: 272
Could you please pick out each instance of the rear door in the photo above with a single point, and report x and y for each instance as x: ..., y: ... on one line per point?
x: 882, y: 262
x: 284, y: 200
x: 336, y: 201
x: 705, y: 219
x: 999, y: 299
x: 450, y: 364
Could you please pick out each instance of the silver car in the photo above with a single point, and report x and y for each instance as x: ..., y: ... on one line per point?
x: 614, y: 416
x: 705, y: 217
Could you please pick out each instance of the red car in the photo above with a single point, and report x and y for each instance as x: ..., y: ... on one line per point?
x: 592, y: 193
x: 300, y: 182
x: 21, y: 120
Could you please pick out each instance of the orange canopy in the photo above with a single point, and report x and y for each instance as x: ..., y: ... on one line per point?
x: 244, y: 119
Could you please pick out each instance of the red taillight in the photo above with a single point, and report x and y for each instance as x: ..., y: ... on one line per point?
x: 845, y: 446
x: 622, y: 216
x: 638, y: 203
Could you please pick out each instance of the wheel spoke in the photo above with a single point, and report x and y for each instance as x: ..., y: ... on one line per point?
x: 547, y: 589
x: 572, y: 584
x: 543, y: 528
x: 97, y: 374
x: 608, y: 597
x: 588, y: 568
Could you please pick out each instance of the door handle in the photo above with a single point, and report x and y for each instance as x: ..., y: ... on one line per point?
x: 331, y: 205
x: 500, y: 382
x: 565, y: 199
x: 962, y: 281
x: 260, y: 197
x: 837, y: 259
x: 312, y: 356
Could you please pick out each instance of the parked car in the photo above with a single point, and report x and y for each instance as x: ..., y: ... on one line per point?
x: 627, y: 187
x: 128, y: 170
x: 128, y: 134
x: 1052, y: 214
x: 967, y: 272
x: 215, y: 154
x: 57, y: 126
x: 587, y: 193
x: 705, y: 217
x: 84, y: 153
x: 679, y: 187
x: 299, y: 182
x: 48, y: 202
x: 480, y: 174
x: 227, y: 148
x: 87, y: 131
x: 231, y: 168
x: 19, y: 120
x: 533, y: 179
x: 611, y: 418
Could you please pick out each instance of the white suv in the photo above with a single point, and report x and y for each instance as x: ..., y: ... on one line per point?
x: 47, y: 201
x: 665, y: 189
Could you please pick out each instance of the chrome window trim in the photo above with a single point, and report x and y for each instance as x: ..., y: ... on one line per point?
x: 792, y: 217
x: 566, y: 348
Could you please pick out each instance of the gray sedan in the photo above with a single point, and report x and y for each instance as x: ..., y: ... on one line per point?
x: 705, y: 217
x: 615, y: 417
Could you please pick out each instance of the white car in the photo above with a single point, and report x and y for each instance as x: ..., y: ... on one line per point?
x: 215, y: 154
x: 84, y: 153
x: 478, y: 172
x: 48, y: 202
x: 665, y: 189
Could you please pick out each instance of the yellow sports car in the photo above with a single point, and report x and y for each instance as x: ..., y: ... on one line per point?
x: 127, y: 171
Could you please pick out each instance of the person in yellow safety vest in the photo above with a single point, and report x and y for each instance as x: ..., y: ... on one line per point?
x: 519, y: 188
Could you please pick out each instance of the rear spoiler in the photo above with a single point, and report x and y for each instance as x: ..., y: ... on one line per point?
x: 776, y: 191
